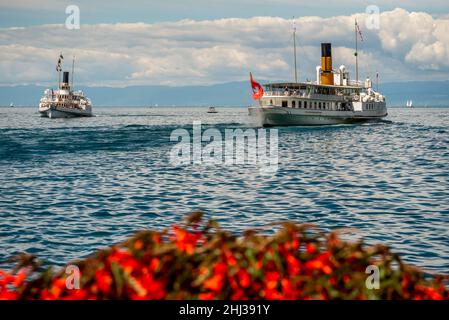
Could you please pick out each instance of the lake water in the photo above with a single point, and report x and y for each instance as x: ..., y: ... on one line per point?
x: 70, y: 186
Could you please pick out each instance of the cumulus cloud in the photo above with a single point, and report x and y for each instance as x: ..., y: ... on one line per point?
x: 190, y: 52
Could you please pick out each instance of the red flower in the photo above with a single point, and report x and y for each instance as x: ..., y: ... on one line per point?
x: 215, y: 283
x: 271, y: 279
x: 272, y: 294
x: 293, y: 264
x: 430, y: 293
x: 288, y: 289
x: 206, y: 296
x: 187, y: 265
x: 311, y: 248
x: 220, y: 268
x: 104, y: 280
x: 244, y: 278
x: 154, y: 264
x: 58, y: 286
x: 239, y: 294
x: 138, y: 245
x: 151, y: 287
x: 231, y: 261
x: 320, y: 263
x: 185, y: 241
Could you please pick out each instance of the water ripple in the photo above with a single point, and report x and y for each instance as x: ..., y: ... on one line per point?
x: 71, y: 186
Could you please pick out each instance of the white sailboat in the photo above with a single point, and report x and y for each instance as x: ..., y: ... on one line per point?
x: 11, y: 105
x: 409, y: 103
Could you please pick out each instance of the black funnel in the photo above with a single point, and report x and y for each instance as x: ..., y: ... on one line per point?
x: 326, y: 50
x: 65, y: 77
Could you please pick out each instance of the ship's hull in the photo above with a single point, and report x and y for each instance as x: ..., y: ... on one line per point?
x: 58, y: 112
x: 280, y: 116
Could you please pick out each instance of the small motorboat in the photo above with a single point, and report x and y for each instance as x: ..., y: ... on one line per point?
x: 212, y: 110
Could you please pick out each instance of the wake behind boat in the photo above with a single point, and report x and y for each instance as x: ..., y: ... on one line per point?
x: 332, y: 99
x: 64, y: 102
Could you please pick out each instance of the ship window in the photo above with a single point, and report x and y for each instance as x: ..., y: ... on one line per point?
x: 271, y: 102
x: 284, y: 104
x: 305, y: 104
x: 299, y: 104
x: 319, y: 105
x: 293, y: 104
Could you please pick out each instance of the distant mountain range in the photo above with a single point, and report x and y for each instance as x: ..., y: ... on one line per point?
x: 433, y: 93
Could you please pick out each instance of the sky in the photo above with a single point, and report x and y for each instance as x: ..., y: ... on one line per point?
x: 180, y: 42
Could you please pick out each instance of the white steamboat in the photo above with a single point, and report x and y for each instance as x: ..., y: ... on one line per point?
x: 332, y: 99
x: 64, y: 103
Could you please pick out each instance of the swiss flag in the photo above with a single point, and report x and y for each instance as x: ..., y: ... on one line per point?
x: 257, y: 88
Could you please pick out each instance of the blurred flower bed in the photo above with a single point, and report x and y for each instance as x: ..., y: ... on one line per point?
x: 199, y: 260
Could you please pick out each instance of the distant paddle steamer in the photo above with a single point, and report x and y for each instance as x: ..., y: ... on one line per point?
x: 64, y: 102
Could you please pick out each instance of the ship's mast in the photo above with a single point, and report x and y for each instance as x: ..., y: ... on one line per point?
x: 59, y: 69
x: 73, y: 71
x: 59, y: 78
x: 294, y: 50
x: 377, y: 81
x: 356, y: 54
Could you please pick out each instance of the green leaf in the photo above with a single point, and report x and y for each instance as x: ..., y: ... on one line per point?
x: 117, y: 272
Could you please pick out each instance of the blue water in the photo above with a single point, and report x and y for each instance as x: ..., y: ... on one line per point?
x: 70, y: 186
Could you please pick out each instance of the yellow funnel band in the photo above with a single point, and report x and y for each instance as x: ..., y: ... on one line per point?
x: 327, y: 78
x: 326, y: 63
